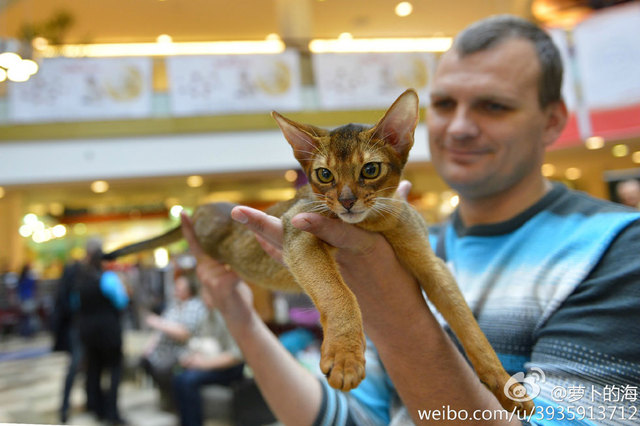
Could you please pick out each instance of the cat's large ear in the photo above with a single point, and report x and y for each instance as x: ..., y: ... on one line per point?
x: 399, y: 123
x: 303, y: 138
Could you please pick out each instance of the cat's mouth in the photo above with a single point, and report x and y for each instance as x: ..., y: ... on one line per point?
x: 352, y: 216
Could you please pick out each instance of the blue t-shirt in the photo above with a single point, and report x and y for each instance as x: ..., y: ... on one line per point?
x: 556, y: 290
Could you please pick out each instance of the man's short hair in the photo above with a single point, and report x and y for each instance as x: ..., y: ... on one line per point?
x: 491, y: 31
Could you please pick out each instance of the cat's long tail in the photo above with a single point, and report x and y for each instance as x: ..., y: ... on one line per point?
x: 162, y: 240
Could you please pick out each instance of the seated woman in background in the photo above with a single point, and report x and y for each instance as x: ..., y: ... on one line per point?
x: 213, y: 358
x: 178, y: 323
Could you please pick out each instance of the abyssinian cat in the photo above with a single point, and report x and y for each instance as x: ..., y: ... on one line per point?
x: 353, y: 174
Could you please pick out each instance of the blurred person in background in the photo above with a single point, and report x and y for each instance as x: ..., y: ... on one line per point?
x: 178, y: 323
x: 628, y: 192
x: 65, y: 332
x: 27, y: 289
x: 550, y: 274
x: 102, y: 300
x: 213, y: 357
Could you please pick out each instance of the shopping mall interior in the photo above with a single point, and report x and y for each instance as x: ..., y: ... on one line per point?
x: 138, y: 109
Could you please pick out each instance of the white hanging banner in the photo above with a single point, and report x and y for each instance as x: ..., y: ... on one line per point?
x: 76, y: 89
x: 219, y: 84
x: 370, y: 80
x: 608, y: 56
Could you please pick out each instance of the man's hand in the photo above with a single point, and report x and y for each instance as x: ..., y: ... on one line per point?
x: 367, y: 262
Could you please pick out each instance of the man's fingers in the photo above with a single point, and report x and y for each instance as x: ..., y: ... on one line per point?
x: 403, y: 189
x: 268, y: 227
x: 270, y: 249
x: 335, y: 232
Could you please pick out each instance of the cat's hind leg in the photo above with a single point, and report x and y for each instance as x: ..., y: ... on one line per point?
x: 443, y: 291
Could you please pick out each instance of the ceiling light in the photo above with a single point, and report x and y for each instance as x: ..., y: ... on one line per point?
x: 164, y: 38
x: 29, y: 66
x: 573, y: 173
x: 39, y: 43
x: 9, y: 59
x: 425, y: 44
x: 594, y: 142
x: 175, y: 211
x: 635, y: 157
x: 17, y: 75
x: 404, y: 9
x: 430, y: 199
x: 165, y: 49
x: 620, y: 150
x: 194, y: 181
x: 548, y: 170
x: 80, y: 229
x: 3, y: 75
x: 99, y: 186
x: 291, y: 175
x: 59, y: 231
x: 161, y: 257
x: 25, y: 231
x: 30, y: 219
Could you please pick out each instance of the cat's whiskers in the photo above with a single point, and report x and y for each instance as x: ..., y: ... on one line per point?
x: 317, y: 206
x: 382, y: 204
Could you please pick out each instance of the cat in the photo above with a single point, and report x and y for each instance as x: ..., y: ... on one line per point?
x: 353, y: 174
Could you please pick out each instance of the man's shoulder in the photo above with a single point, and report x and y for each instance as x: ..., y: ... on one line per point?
x: 574, y: 201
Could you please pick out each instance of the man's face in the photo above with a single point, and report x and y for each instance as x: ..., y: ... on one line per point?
x: 487, y: 130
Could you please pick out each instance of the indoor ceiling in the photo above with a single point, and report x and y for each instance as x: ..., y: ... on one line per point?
x: 295, y: 21
x: 102, y: 21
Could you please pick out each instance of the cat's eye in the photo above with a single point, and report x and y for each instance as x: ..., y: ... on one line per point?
x: 324, y: 175
x: 370, y: 170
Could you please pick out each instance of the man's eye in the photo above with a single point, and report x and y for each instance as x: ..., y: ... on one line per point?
x: 442, y: 104
x: 494, y: 107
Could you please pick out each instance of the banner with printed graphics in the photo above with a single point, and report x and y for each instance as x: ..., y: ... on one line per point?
x: 370, y: 80
x: 608, y: 56
x: 219, y: 84
x: 76, y: 89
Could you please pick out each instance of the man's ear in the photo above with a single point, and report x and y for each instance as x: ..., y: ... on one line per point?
x: 557, y: 117
x: 399, y: 123
x: 303, y: 138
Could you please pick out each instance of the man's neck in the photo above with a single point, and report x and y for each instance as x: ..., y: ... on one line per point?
x: 504, y: 205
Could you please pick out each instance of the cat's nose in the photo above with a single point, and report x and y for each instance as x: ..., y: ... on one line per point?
x: 347, y: 203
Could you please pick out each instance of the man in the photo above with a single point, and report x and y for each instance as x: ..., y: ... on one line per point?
x: 628, y: 192
x: 550, y: 274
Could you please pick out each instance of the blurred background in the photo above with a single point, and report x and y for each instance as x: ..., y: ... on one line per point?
x: 116, y: 115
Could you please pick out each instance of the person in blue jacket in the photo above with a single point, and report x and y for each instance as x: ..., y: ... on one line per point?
x: 102, y: 299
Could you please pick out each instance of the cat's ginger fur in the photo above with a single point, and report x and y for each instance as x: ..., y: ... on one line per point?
x: 340, y: 186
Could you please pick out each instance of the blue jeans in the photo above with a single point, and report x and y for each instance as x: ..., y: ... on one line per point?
x: 186, y: 388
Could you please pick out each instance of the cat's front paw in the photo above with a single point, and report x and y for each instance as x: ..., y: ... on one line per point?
x: 517, y: 400
x: 511, y: 394
x: 342, y: 361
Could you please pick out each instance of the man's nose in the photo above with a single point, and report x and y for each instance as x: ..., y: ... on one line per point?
x: 463, y: 125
